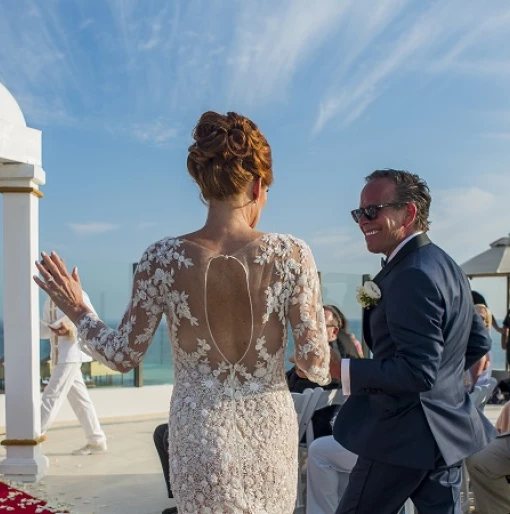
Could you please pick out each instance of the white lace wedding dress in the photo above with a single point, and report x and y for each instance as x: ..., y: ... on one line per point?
x: 233, y: 428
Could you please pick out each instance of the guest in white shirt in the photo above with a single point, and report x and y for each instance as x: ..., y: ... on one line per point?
x: 66, y: 379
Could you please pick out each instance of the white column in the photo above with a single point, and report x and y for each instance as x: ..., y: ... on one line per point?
x: 19, y: 185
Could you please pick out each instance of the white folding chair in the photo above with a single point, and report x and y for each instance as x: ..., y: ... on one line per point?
x: 489, y: 389
x: 464, y: 490
x: 476, y: 396
x: 481, y: 393
x: 304, y: 403
x: 331, y: 397
x: 479, y: 396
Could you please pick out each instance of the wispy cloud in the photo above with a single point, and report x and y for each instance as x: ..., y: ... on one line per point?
x: 435, y: 40
x: 44, y: 111
x: 50, y: 245
x: 497, y: 135
x: 157, y: 132
x: 146, y: 224
x: 155, y: 38
x: 39, y: 61
x: 168, y: 66
x: 92, y: 228
x: 368, y: 83
x: 342, y: 249
x: 86, y: 23
x: 463, y: 220
x: 476, y: 29
x: 332, y: 236
x: 163, y: 59
x: 270, y: 45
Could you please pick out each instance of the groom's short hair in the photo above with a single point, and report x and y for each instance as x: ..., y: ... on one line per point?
x: 409, y: 188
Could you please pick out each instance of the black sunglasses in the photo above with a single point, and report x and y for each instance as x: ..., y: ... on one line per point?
x: 372, y: 211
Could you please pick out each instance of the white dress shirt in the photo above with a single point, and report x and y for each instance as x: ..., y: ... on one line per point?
x: 63, y: 348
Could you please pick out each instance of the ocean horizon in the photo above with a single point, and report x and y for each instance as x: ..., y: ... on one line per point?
x: 158, y: 362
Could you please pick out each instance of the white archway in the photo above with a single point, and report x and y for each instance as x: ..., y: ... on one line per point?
x: 21, y: 175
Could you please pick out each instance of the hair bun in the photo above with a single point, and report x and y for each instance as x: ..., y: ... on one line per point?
x: 237, y: 143
x: 229, y: 151
x: 224, y: 137
x: 210, y: 140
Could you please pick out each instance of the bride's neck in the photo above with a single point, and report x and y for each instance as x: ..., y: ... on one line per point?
x: 227, y: 219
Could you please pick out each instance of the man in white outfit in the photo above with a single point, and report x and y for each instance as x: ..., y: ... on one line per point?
x: 328, y: 469
x: 66, y: 379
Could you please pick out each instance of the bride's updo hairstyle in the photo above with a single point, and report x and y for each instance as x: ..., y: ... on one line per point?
x: 228, y: 153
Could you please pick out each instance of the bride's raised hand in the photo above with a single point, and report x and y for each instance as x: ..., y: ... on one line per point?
x: 63, y: 288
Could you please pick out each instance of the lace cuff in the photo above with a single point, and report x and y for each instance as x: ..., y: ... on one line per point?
x: 319, y: 375
x: 84, y: 324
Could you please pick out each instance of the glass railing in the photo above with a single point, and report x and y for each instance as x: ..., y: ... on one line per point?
x: 109, y: 291
x: 340, y: 289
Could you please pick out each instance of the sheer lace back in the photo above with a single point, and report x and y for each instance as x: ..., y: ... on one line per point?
x: 239, y: 307
x: 229, y: 311
x: 233, y: 429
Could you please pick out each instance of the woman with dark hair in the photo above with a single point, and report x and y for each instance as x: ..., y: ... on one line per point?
x: 348, y: 346
x: 228, y: 293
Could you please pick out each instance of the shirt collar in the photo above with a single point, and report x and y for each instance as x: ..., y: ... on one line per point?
x: 402, y: 244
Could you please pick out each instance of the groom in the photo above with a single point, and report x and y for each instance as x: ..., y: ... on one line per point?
x: 408, y: 416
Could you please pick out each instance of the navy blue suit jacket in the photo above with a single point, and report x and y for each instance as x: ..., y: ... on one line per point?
x: 408, y: 405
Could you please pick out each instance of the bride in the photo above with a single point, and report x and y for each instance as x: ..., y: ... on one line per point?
x: 229, y: 293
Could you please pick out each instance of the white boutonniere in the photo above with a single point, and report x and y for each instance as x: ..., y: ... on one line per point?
x: 369, y: 294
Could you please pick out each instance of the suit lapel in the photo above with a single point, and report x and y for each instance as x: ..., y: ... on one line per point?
x: 415, y: 243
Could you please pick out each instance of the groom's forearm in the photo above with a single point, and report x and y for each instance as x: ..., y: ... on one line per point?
x: 395, y: 375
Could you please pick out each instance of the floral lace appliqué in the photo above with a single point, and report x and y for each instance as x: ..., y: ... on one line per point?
x: 233, y: 429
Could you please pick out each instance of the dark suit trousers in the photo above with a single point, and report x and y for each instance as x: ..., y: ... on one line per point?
x: 161, y: 443
x: 380, y: 488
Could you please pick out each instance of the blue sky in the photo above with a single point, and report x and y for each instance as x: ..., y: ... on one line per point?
x: 338, y: 87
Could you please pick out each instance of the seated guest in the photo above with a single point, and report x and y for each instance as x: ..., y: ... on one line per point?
x: 348, y: 345
x: 481, y: 371
x: 505, y: 330
x: 489, y: 471
x: 503, y: 421
x: 161, y: 443
x: 501, y: 393
x: 328, y: 469
x: 479, y: 299
x: 321, y: 420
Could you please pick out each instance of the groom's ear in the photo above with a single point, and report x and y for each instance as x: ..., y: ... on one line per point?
x: 410, y: 214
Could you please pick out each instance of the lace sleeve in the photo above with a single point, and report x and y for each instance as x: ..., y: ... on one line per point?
x: 306, y: 315
x: 123, y: 348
